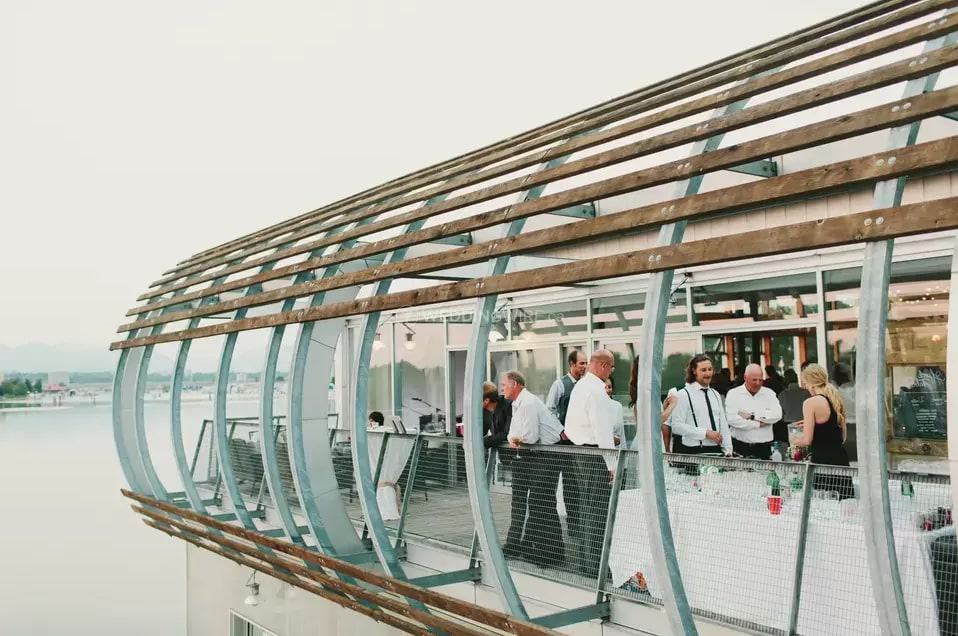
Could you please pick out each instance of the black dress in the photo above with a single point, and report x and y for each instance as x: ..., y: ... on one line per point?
x: 829, y: 448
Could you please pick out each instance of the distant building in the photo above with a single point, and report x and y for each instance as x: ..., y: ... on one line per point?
x: 58, y: 377
x: 54, y: 387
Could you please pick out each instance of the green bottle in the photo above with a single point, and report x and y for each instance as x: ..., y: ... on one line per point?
x: 774, y: 483
x: 907, y: 488
x: 797, y: 483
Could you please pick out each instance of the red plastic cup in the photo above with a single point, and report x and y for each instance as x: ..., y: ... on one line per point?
x: 775, y: 504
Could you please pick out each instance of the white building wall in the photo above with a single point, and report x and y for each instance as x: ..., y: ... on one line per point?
x: 216, y: 586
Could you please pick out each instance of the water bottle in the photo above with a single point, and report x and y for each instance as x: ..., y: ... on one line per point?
x: 776, y: 454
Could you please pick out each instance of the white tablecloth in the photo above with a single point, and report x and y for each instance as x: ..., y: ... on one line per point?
x: 388, y: 495
x: 737, y: 559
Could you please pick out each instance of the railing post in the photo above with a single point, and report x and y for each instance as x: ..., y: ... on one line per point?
x: 617, y: 481
x: 379, y: 470
x: 410, y: 483
x: 199, y: 444
x: 490, y: 475
x: 800, y: 550
x: 219, y: 473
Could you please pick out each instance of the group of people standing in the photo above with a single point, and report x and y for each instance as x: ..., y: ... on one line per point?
x: 580, y: 411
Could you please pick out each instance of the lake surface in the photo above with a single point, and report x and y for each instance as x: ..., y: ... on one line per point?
x: 74, y: 559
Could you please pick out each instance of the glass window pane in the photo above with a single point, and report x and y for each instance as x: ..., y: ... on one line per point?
x: 460, y: 328
x: 556, y: 319
x: 743, y: 302
x: 420, y: 375
x: 676, y: 353
x: 915, y: 349
x: 380, y: 389
x: 538, y: 366
x: 625, y: 314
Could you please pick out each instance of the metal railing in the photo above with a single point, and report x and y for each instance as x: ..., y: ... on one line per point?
x: 776, y: 555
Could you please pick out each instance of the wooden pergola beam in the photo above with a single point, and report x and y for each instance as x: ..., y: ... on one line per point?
x: 834, y: 129
x: 816, y: 39
x: 932, y: 156
x: 918, y: 218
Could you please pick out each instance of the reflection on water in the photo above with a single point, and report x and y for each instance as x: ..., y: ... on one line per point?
x: 75, y: 559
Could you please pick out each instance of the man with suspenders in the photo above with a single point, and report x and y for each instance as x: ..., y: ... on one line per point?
x: 699, y: 415
x: 558, y: 402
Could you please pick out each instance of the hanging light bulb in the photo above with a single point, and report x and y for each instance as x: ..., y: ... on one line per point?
x: 252, y: 599
x: 410, y: 343
x: 378, y: 343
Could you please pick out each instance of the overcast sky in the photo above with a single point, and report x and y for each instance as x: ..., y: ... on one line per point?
x: 134, y: 134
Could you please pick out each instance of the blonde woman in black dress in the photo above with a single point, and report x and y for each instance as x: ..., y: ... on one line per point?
x: 824, y: 430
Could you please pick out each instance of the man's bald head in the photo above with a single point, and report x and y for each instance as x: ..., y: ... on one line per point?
x: 753, y: 378
x: 601, y: 363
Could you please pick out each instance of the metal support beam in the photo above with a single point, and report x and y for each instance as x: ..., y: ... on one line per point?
x: 800, y: 550
x: 870, y: 410
x: 448, y: 578
x: 761, y: 168
x: 407, y: 493
x: 268, y: 447
x: 648, y: 410
x: 617, y: 481
x: 474, y: 450
x: 377, y: 474
x: 365, y: 487
x: 575, y: 615
x: 952, y: 387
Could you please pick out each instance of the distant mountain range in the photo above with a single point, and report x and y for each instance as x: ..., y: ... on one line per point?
x: 36, y: 357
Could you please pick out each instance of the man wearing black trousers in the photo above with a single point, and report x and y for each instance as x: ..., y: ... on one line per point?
x: 535, y: 533
x: 558, y: 403
x: 589, y: 423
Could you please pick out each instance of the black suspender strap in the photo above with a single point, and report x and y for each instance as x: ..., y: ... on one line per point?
x: 692, y: 408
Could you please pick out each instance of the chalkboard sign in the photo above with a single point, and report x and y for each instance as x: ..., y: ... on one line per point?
x: 920, y: 405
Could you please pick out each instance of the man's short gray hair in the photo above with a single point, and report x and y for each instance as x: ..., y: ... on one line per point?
x: 516, y: 377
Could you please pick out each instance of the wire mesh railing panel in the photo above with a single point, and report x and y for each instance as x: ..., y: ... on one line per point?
x: 438, y: 497
x: 392, y: 465
x: 630, y: 556
x: 204, y: 467
x: 550, y: 504
x: 246, y: 457
x: 342, y: 456
x: 836, y: 585
x: 921, y: 510
x: 736, y: 525
x: 286, y: 468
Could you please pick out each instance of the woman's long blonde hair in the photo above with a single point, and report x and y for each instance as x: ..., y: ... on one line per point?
x: 815, y: 376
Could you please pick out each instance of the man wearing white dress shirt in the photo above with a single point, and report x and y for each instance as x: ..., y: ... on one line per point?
x: 699, y: 416
x: 751, y: 410
x: 557, y: 401
x: 535, y: 532
x: 589, y: 422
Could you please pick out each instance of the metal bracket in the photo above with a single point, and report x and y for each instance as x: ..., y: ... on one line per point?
x: 448, y: 578
x: 583, y: 211
x: 574, y: 615
x: 456, y: 239
x: 760, y: 168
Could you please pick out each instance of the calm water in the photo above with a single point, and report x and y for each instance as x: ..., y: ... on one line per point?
x: 74, y: 559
